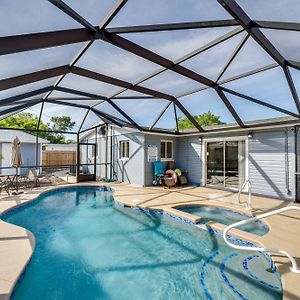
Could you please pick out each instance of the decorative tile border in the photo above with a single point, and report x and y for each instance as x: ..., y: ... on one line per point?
x: 222, y: 268
x: 256, y: 278
x: 225, y: 278
x: 239, y: 213
x: 203, y: 274
x: 36, y: 199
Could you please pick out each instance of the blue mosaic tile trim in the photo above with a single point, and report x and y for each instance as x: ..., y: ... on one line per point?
x: 179, y: 218
x: 217, y: 233
x: 150, y: 212
x: 272, y: 264
x: 246, y: 216
x: 210, y: 230
x: 203, y: 274
x: 246, y: 268
x: 201, y: 226
x: 225, y: 278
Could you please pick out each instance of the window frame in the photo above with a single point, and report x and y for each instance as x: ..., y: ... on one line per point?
x: 166, y: 150
x: 121, y: 153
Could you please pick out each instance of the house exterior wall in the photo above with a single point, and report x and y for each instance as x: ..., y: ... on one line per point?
x: 28, y: 157
x: 270, y: 159
x: 155, y: 140
x: 189, y: 158
x: 101, y: 157
x: 129, y: 170
x: 271, y: 164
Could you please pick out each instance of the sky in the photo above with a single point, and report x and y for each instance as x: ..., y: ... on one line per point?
x: 21, y: 17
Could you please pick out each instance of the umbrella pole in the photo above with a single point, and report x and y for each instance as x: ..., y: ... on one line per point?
x: 17, y: 188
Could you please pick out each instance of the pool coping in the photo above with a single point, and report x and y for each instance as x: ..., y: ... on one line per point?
x: 32, y: 197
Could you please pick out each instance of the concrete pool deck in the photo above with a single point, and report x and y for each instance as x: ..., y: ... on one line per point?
x: 17, y: 244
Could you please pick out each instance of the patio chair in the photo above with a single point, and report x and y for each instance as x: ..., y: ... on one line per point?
x: 158, y: 172
x: 4, y: 185
x: 36, y: 178
x: 24, y: 181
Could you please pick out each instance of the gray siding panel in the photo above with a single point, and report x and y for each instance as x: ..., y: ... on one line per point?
x: 101, y: 157
x: 189, y: 158
x: 131, y: 170
x: 269, y: 166
x: 155, y: 140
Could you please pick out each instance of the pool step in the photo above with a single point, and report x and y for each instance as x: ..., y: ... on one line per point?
x: 181, y: 214
x: 241, y: 234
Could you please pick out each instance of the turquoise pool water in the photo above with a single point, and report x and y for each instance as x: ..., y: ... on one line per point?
x: 227, y: 217
x: 90, y: 248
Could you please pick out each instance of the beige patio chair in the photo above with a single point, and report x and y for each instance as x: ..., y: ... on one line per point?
x: 36, y: 178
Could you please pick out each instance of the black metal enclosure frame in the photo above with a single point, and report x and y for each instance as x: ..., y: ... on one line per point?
x: 112, y: 35
x: 80, y: 176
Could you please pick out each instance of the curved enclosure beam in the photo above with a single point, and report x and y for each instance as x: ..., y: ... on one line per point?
x: 32, y: 77
x: 241, y: 22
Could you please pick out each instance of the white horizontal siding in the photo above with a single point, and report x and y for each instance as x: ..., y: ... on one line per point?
x: 267, y: 164
x: 189, y: 157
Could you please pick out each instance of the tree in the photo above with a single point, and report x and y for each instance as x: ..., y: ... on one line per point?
x: 63, y: 123
x: 27, y: 120
x: 205, y: 119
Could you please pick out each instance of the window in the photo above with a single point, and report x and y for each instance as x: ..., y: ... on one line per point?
x: 124, y: 149
x: 166, y: 150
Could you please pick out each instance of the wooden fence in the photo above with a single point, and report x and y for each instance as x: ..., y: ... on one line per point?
x: 58, y: 158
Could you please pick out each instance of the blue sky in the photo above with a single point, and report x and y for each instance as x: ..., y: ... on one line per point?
x: 19, y: 17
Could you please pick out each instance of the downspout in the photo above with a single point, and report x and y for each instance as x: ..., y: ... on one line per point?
x: 296, y: 128
x: 77, y: 159
x: 111, y: 153
x: 96, y: 153
x: 106, y: 150
x: 287, y: 172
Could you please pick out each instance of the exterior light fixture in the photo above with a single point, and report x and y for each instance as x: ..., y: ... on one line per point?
x: 250, y: 136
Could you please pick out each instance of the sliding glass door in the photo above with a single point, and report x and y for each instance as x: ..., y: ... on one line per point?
x: 225, y: 163
x: 215, y: 163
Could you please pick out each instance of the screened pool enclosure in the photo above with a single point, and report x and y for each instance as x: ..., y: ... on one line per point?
x: 146, y: 64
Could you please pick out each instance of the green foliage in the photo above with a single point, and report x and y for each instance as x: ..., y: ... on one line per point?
x: 29, y: 121
x: 63, y: 123
x: 206, y: 119
x: 1, y: 157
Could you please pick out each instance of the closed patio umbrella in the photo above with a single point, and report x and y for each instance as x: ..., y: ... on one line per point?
x: 16, y: 157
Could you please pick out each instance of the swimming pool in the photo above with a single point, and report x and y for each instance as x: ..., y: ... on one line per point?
x: 88, y: 247
x: 226, y: 217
